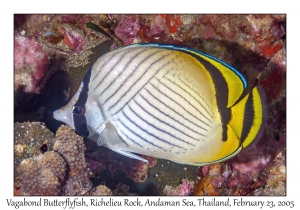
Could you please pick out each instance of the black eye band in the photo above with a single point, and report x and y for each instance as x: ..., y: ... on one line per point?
x: 80, y: 125
x: 78, y: 111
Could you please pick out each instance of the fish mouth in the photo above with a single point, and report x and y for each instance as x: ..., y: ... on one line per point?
x: 64, y: 117
x: 56, y: 115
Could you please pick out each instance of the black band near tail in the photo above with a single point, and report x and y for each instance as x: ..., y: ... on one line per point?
x: 80, y: 121
x: 221, y: 87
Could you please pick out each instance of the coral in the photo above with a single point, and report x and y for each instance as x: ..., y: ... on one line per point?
x: 250, y: 173
x: 184, y: 189
x: 100, y: 190
x: 74, y: 40
x: 205, y: 187
x: 71, y: 147
x: 161, y: 28
x: 59, y: 172
x: 68, y: 18
x: 211, y: 176
x: 31, y: 64
x: 128, y: 28
x: 134, y: 169
x: 42, y: 174
x: 169, y: 173
x: 173, y: 22
x: 262, y: 30
x: 149, y: 179
x: 275, y: 81
x: 156, y: 30
x: 29, y: 139
x: 276, y: 182
x: 41, y: 39
x: 41, y: 51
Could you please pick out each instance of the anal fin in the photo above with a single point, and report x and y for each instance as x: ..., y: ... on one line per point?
x: 130, y: 155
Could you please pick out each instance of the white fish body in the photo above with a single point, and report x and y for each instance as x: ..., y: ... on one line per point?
x: 160, y: 102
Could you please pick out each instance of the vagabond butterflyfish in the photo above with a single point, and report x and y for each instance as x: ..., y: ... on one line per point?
x: 168, y: 102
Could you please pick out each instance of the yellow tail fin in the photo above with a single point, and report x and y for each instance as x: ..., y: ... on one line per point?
x: 248, y: 116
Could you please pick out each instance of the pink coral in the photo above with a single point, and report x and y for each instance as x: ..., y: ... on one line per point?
x: 253, y: 166
x: 184, y: 189
x: 128, y: 28
x: 31, y: 63
x: 68, y: 18
x: 73, y: 39
x: 244, y: 174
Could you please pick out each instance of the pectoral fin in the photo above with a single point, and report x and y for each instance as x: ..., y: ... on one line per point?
x: 110, y: 138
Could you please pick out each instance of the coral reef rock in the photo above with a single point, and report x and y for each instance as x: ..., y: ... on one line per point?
x: 184, y: 189
x: 254, y: 175
x: 59, y: 172
x: 42, y: 174
x: 100, y: 157
x: 71, y: 147
x: 30, y: 139
x: 100, y: 190
x: 42, y: 40
x: 31, y: 64
x: 168, y: 173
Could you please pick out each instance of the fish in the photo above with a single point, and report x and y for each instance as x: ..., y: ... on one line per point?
x: 168, y: 102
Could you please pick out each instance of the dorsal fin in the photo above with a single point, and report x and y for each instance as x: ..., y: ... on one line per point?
x: 248, y: 89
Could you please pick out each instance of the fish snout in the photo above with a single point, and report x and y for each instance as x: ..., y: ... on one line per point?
x: 63, y: 116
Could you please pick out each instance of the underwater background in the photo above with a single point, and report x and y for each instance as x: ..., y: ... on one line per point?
x: 52, y: 53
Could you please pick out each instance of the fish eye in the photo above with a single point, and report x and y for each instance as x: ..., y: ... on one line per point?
x: 78, y: 110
